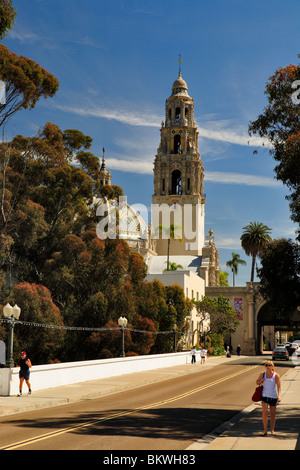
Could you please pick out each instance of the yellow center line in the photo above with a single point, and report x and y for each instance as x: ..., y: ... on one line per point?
x: 121, y: 413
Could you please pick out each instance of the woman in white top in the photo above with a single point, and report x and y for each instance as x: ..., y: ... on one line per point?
x: 271, y: 395
x: 203, y: 354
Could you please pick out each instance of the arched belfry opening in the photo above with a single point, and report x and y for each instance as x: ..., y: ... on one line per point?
x: 177, y: 143
x: 176, y: 182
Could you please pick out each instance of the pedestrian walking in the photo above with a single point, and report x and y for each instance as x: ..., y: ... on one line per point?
x: 24, y: 373
x: 271, y: 396
x: 203, y: 355
x: 238, y: 350
x: 193, y: 353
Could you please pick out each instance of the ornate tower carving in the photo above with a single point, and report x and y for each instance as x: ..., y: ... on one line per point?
x: 179, y: 173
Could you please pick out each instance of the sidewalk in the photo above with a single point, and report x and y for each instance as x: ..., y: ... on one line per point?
x: 241, y: 432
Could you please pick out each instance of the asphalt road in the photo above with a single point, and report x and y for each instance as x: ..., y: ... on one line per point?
x: 170, y: 415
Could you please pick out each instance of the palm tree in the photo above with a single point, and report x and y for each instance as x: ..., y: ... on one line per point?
x: 254, y: 241
x: 172, y: 232
x: 173, y: 266
x: 234, y: 265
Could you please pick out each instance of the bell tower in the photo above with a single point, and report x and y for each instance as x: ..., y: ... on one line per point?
x: 105, y: 175
x: 179, y: 175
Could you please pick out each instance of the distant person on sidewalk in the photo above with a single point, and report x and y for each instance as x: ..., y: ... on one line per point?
x: 24, y: 373
x: 203, y: 354
x: 238, y: 350
x: 193, y: 353
x: 271, y: 396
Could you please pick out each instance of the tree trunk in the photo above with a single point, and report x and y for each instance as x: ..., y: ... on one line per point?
x: 252, y: 268
x: 168, y: 257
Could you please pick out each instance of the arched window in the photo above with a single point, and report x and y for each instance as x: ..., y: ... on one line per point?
x: 177, y: 113
x: 177, y: 143
x: 188, y: 185
x: 176, y: 182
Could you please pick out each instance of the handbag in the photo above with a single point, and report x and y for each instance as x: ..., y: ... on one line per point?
x: 257, y: 394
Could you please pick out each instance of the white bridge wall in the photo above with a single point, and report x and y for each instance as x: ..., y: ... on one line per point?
x: 56, y: 375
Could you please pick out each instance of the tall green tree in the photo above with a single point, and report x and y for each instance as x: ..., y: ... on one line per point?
x: 25, y: 83
x: 7, y: 17
x: 222, y: 316
x: 37, y: 306
x: 223, y: 279
x: 254, y: 241
x: 38, y: 179
x: 280, y: 276
x: 280, y: 125
x: 234, y: 264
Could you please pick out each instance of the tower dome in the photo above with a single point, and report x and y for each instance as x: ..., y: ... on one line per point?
x: 179, y: 87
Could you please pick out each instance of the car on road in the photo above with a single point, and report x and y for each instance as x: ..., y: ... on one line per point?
x: 280, y: 352
x: 295, y: 349
x: 292, y: 347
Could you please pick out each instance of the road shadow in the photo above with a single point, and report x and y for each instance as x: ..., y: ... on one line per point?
x: 180, y: 424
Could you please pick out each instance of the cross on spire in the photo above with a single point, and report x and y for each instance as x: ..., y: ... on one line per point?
x: 103, y: 159
x: 180, y: 62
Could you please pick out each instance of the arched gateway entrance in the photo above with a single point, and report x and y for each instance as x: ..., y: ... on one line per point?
x: 255, y: 318
x: 269, y: 322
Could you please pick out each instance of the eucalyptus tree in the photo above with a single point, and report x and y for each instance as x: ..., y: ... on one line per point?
x: 279, y: 123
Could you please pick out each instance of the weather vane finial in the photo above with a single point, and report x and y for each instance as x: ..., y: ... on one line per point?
x: 180, y: 62
x: 103, y: 159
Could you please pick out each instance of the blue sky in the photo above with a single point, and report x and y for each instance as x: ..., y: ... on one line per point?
x: 116, y: 61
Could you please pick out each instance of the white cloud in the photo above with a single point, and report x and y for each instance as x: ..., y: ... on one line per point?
x: 215, y: 131
x: 22, y: 35
x: 146, y: 167
x: 239, y: 178
x: 227, y: 242
x: 232, y: 137
x: 130, y: 166
x: 129, y: 118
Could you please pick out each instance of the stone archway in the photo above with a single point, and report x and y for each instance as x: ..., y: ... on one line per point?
x: 266, y: 317
x: 256, y: 314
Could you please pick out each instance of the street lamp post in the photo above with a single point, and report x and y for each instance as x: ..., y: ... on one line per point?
x: 122, y: 322
x: 12, y: 314
x: 174, y: 332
